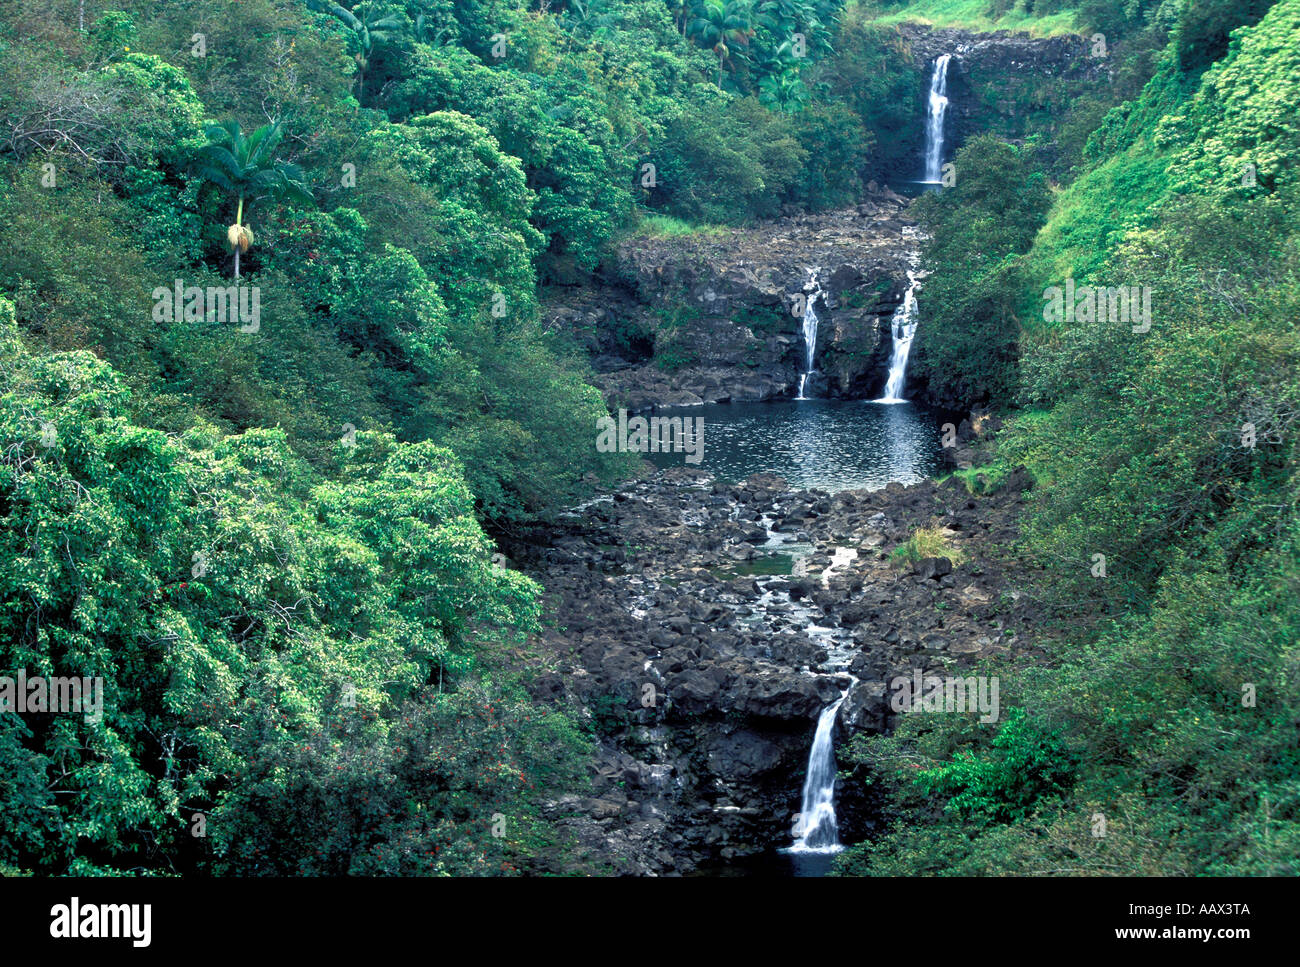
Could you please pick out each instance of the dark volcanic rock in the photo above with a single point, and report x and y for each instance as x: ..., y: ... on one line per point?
x: 933, y: 568
x: 715, y: 317
x: 704, y: 687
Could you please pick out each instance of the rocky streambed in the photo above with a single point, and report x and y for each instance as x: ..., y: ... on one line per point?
x: 702, y: 627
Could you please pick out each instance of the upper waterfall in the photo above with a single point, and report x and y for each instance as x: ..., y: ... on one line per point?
x: 937, y: 109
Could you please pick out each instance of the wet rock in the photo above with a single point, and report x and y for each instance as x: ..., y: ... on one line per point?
x: 692, y: 692
x: 743, y: 755
x: 731, y: 297
x: 865, y: 708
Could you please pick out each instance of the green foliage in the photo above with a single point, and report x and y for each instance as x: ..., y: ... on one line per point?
x: 665, y: 226
x: 674, y: 347
x: 838, y: 147
x: 966, y: 346
x: 985, y: 479
x: 864, y: 78
x: 1033, y: 16
x: 1243, y: 100
x: 1025, y: 764
x: 238, y: 610
x: 724, y: 160
x: 369, y: 28
x: 1201, y: 36
x: 609, y: 715
x: 927, y: 542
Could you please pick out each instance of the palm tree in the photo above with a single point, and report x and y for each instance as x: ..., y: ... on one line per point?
x: 246, y: 167
x: 372, y: 29
x: 591, y: 17
x: 782, y: 17
x: 783, y: 91
x: 680, y: 10
x: 718, y: 22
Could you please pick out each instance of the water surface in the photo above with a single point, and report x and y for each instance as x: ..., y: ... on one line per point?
x: 828, y: 444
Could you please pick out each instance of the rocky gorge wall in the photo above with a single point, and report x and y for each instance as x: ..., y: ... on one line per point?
x: 711, y: 317
x: 1009, y: 84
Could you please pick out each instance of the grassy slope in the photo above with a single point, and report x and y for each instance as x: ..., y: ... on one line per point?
x: 1246, y: 109
x: 973, y: 15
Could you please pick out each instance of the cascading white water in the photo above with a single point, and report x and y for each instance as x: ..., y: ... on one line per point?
x: 902, y: 329
x: 809, y: 332
x: 934, y: 120
x: 817, y: 831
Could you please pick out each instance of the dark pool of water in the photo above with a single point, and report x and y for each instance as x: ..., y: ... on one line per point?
x: 772, y: 864
x: 828, y: 444
x: 912, y: 189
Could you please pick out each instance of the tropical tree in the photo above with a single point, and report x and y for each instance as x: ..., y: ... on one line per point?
x: 718, y: 24
x: 783, y: 17
x: 680, y: 11
x: 429, y: 30
x: 246, y: 167
x: 369, y: 27
x: 784, y: 92
x: 592, y: 17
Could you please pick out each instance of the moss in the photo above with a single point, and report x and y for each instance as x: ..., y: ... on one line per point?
x: 764, y: 320
x: 985, y: 479
x: 865, y: 298
x: 672, y: 353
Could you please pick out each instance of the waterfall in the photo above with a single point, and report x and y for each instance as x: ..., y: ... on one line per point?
x: 809, y: 332
x: 817, y: 831
x: 934, y: 120
x: 902, y: 329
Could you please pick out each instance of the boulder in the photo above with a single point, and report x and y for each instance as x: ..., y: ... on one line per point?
x: 933, y: 568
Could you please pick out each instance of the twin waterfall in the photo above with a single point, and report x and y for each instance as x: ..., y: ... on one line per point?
x: 809, y: 332
x: 902, y: 329
x: 817, y: 830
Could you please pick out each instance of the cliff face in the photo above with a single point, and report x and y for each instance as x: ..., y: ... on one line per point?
x: 1009, y: 84
x: 713, y: 317
x: 1001, y: 51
